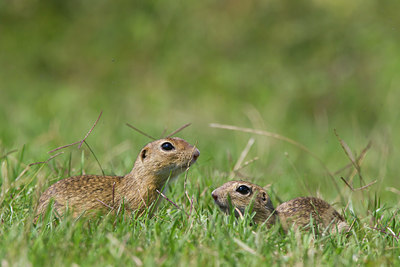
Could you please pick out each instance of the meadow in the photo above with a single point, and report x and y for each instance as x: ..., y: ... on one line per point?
x: 319, y: 80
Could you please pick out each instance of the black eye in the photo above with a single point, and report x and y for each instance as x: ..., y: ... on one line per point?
x: 244, y: 190
x: 167, y: 146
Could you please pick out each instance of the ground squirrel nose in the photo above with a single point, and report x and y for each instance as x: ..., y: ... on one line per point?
x: 196, y: 154
x: 214, y: 195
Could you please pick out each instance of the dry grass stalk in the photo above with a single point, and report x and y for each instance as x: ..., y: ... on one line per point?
x: 81, y: 141
x: 170, y: 201
x: 178, y: 130
x: 350, y: 155
x: 139, y: 131
x: 91, y: 129
x: 359, y: 159
x: 8, y: 153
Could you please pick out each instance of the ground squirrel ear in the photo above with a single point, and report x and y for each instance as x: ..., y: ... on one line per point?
x: 143, y: 154
x: 264, y: 196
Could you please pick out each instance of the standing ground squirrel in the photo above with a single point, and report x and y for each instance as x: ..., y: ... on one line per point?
x: 297, y: 212
x: 157, y: 162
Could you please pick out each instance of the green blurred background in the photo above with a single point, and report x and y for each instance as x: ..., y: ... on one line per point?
x: 298, y: 68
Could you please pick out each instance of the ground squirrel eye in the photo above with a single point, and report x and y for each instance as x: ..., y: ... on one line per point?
x: 167, y: 146
x: 244, y: 190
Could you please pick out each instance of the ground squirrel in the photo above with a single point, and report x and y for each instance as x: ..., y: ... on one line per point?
x: 296, y: 212
x: 157, y: 162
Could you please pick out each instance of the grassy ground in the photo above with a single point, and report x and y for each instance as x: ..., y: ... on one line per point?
x: 298, y: 69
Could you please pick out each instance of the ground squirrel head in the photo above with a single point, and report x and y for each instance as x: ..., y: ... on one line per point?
x: 240, y: 194
x: 167, y: 157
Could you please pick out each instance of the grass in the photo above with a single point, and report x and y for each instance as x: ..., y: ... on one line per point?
x: 156, y: 65
x: 195, y: 234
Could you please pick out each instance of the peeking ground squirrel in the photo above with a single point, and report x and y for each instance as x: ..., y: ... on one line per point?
x: 296, y: 212
x: 156, y: 163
